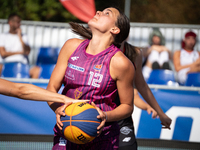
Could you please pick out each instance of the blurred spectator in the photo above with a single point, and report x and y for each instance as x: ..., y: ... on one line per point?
x: 187, y: 60
x: 1, y: 61
x: 13, y: 44
x: 35, y: 72
x: 157, y: 55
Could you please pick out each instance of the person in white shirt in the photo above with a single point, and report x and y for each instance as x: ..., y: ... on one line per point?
x: 157, y: 55
x: 1, y: 64
x: 14, y: 45
x: 187, y: 60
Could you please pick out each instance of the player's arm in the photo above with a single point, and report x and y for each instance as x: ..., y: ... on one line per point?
x: 122, y: 70
x: 140, y: 103
x: 58, y: 73
x: 31, y: 92
x: 146, y: 93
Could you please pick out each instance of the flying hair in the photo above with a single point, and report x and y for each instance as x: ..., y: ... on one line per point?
x: 122, y: 23
x: 81, y: 30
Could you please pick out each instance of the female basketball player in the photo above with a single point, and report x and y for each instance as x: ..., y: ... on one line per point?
x: 135, y: 55
x: 96, y: 69
x: 32, y: 92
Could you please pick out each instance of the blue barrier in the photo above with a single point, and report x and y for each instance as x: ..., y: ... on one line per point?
x: 47, y: 55
x: 193, y: 79
x: 46, y: 71
x: 161, y: 77
x: 183, y: 106
x: 15, y: 70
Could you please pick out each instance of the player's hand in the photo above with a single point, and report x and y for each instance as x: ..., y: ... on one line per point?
x: 101, y: 116
x: 165, y: 121
x: 19, y: 32
x: 151, y: 110
x: 60, y: 112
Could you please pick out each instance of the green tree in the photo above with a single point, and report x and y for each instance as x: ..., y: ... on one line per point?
x: 37, y: 10
x: 152, y: 11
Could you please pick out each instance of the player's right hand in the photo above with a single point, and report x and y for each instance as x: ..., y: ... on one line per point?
x: 101, y: 116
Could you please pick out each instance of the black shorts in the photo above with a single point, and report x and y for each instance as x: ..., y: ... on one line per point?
x: 127, y: 138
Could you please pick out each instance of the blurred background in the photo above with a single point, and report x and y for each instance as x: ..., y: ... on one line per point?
x: 149, y: 11
x: 28, y: 124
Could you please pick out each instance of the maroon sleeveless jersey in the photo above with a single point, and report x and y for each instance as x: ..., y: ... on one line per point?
x: 88, y: 77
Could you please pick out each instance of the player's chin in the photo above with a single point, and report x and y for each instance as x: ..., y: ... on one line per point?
x: 92, y: 23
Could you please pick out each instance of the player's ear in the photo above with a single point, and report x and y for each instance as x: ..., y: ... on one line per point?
x: 115, y: 30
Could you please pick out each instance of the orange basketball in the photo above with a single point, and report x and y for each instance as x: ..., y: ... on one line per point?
x: 80, y: 123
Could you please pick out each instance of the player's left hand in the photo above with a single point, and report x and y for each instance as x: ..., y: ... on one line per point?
x: 165, y: 121
x: 101, y: 116
x: 60, y: 112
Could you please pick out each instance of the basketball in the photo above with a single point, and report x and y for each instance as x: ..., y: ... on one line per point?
x: 80, y: 123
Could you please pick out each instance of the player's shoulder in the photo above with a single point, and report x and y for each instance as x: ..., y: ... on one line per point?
x: 120, y: 61
x: 74, y: 42
x: 70, y: 46
x: 121, y: 66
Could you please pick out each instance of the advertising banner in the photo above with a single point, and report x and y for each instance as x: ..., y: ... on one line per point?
x: 182, y: 106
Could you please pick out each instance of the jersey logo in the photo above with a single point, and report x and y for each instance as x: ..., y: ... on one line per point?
x: 77, y: 94
x: 76, y: 67
x: 126, y: 139
x: 97, y: 67
x: 70, y: 75
x: 125, y: 130
x: 62, y: 141
x: 74, y: 58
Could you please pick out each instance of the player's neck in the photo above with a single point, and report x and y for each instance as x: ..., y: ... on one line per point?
x: 96, y: 46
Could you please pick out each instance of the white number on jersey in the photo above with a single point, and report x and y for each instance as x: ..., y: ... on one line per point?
x: 95, y: 79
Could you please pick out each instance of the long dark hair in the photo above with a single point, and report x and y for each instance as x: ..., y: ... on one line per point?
x: 122, y: 23
x: 131, y: 51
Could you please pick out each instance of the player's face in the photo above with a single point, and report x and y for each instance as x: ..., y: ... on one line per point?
x: 104, y: 20
x: 190, y: 42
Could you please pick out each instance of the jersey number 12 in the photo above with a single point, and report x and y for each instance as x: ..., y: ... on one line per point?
x: 95, y: 79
